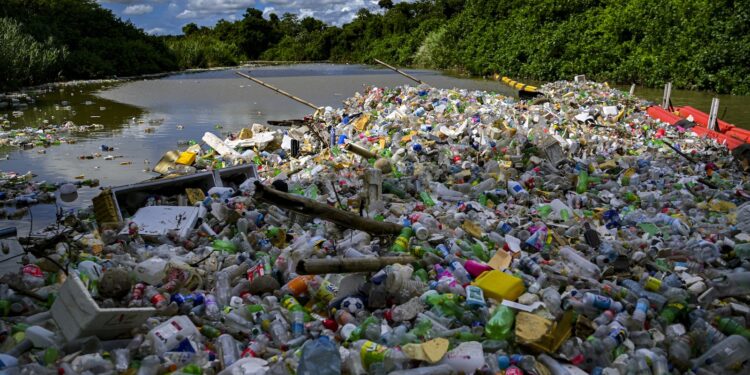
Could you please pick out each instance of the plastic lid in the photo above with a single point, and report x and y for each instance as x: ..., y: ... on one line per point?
x: 68, y: 193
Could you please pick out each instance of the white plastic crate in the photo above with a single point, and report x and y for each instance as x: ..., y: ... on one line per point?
x: 78, y: 315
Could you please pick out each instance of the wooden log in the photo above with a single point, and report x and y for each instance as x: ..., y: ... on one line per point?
x: 359, y: 150
x: 280, y: 91
x: 349, y: 265
x: 400, y: 72
x: 312, y: 208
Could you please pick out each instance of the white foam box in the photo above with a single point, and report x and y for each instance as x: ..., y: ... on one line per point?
x: 78, y: 315
x: 155, y: 221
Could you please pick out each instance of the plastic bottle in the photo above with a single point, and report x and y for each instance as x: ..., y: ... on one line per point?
x: 466, y: 358
x: 579, y: 265
x: 222, y: 289
x: 552, y: 365
x: 726, y: 354
x: 732, y: 327
x: 583, y: 181
x: 500, y: 325
x: 149, y: 366
x: 420, y: 231
x: 213, y: 311
x: 517, y: 190
x: 319, y: 356
x: 731, y: 284
x: 373, y: 355
x: 156, y: 298
x: 257, y: 347
x: 151, y: 271
x: 121, y: 359
x: 442, y: 369
x: 709, y: 332
x: 279, y: 332
x: 459, y: 272
x: 640, y: 312
x: 228, y: 350
x: 552, y: 300
x: 680, y: 351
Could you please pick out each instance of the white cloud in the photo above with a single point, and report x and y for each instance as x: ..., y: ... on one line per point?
x: 333, y: 12
x: 215, y: 7
x: 157, y: 31
x: 187, y: 14
x: 138, y: 9
x: 129, y: 2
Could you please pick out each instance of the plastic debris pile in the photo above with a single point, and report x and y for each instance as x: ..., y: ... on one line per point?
x: 556, y: 236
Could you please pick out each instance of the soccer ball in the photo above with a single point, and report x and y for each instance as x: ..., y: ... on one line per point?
x: 352, y: 304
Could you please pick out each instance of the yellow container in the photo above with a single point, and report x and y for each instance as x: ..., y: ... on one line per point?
x: 186, y: 158
x: 499, y: 285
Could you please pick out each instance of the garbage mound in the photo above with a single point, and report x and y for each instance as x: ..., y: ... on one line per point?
x: 415, y: 230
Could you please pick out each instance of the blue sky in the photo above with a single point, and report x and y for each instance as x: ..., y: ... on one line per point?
x: 168, y: 16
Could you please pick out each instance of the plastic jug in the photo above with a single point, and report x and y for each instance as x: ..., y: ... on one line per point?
x: 151, y: 271
x: 169, y: 334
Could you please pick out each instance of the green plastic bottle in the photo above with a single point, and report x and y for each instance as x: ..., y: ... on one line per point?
x: 672, y: 312
x: 583, y: 181
x: 426, y: 199
x: 390, y: 188
x: 225, y: 246
x: 731, y: 327
x: 500, y: 326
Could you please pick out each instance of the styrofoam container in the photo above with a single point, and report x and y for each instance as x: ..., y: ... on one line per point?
x: 78, y: 315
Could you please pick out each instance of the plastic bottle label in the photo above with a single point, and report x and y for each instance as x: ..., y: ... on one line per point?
x: 642, y: 306
x: 653, y: 284
x: 602, y: 302
x: 372, y: 353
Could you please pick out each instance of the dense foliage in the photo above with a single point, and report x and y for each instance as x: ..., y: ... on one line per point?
x: 697, y: 44
x: 71, y: 39
x: 23, y: 59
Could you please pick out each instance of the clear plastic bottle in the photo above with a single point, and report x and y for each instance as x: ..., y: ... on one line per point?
x: 229, y: 351
x: 149, y: 366
x: 320, y: 356
x: 640, y: 312
x: 213, y: 311
x: 517, y: 190
x: 726, y: 354
x: 552, y: 300
x: 579, y: 265
x: 680, y: 351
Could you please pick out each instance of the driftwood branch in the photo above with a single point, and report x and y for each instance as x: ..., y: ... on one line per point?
x: 312, y: 208
x: 349, y: 265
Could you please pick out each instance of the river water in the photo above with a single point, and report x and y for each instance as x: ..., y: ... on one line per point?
x: 145, y: 118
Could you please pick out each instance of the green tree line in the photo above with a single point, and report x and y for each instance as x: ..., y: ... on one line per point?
x: 48, y: 40
x: 696, y: 44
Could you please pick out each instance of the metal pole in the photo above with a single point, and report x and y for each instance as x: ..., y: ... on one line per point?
x: 282, y: 92
x: 632, y: 89
x: 713, y: 121
x: 666, y: 99
x: 400, y: 72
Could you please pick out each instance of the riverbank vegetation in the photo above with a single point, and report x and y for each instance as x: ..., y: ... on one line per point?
x: 696, y: 44
x: 49, y: 40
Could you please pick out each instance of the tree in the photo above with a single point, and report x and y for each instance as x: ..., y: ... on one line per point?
x: 385, y: 4
x: 190, y: 29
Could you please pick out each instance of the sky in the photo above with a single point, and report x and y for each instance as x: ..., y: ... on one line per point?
x: 160, y: 17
